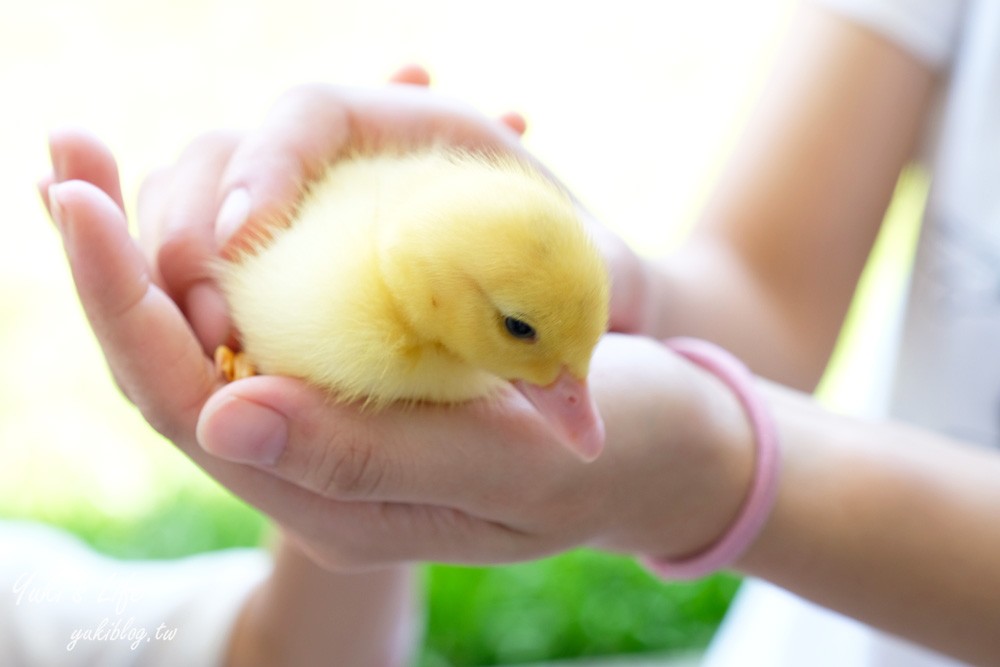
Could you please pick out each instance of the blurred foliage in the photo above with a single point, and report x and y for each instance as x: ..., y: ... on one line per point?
x: 581, y: 603
x: 191, y: 523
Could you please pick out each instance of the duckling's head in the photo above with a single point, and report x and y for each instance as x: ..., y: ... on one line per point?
x: 493, y: 264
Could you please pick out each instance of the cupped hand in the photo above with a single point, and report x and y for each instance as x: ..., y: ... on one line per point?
x: 226, y: 184
x: 487, y: 482
x: 480, y: 482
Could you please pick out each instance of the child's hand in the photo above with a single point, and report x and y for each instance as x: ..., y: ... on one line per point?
x: 226, y: 183
x: 482, y: 482
x: 486, y: 482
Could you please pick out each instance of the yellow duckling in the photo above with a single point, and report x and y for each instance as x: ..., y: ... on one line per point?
x: 435, y: 275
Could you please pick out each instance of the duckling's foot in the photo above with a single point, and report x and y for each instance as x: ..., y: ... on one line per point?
x: 233, y: 365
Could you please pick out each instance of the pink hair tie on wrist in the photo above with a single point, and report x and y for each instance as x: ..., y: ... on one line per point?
x: 764, y: 486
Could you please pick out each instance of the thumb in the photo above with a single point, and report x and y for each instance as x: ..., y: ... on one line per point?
x: 250, y: 421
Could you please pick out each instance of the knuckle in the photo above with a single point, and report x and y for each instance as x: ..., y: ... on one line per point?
x: 346, y: 469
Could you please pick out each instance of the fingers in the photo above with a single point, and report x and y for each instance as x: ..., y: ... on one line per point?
x: 154, y: 198
x: 515, y: 121
x: 413, y: 75
x: 306, y: 129
x: 384, y: 488
x: 178, y: 208
x: 159, y: 365
x: 153, y: 354
x: 228, y: 186
x: 633, y: 304
x: 360, y: 535
x: 78, y: 155
x: 312, y: 126
x: 478, y: 482
x: 427, y: 483
x: 420, y: 454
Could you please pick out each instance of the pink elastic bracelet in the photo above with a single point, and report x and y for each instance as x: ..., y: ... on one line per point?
x: 764, y: 486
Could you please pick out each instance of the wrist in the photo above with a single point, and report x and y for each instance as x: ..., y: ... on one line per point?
x: 680, y: 453
x: 304, y: 614
x: 733, y: 511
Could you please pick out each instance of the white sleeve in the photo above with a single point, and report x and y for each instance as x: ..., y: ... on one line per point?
x: 928, y: 29
x: 64, y: 605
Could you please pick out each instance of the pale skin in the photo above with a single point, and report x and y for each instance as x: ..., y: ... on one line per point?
x: 885, y: 523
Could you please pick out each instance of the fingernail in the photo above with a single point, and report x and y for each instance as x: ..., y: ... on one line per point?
x: 232, y: 214
x: 243, y: 431
x: 55, y: 207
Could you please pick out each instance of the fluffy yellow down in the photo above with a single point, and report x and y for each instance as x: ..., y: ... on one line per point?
x: 396, y: 278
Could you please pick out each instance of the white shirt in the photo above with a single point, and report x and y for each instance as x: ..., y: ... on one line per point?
x: 63, y: 605
x: 947, y: 374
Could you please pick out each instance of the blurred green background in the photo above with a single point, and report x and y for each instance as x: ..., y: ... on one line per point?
x: 633, y: 104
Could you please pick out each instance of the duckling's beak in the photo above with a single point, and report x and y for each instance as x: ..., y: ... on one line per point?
x: 570, y: 408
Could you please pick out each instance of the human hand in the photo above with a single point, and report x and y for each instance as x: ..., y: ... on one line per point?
x: 485, y: 482
x: 226, y: 183
x: 158, y: 362
x: 481, y: 482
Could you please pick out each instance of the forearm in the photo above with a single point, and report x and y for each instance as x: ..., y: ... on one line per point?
x: 772, y: 266
x: 305, y: 615
x: 890, y: 525
x: 707, y: 292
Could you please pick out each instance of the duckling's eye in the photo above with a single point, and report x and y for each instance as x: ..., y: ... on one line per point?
x: 519, y: 329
